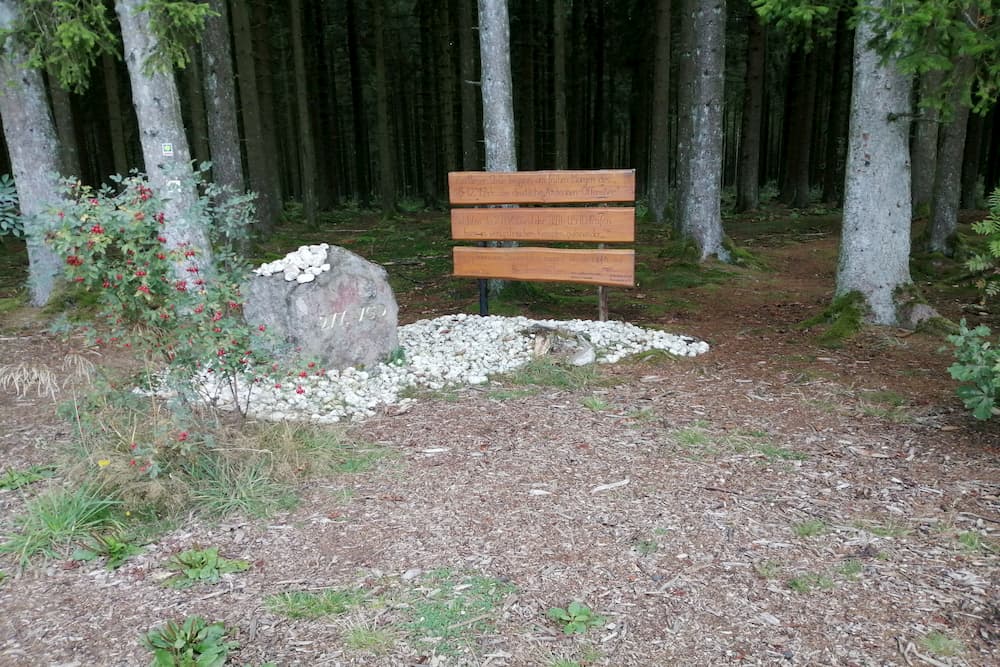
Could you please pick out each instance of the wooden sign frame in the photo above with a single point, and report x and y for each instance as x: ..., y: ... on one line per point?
x: 554, y: 206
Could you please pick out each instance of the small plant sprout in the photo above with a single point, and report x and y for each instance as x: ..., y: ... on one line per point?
x: 575, y: 619
x: 193, y: 643
x: 595, y: 403
x: 810, y: 528
x: 14, y: 479
x: 941, y: 644
x: 111, y: 546
x: 201, y: 566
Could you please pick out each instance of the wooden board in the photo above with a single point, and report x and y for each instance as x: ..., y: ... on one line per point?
x: 541, y: 187
x: 593, y: 225
x: 595, y: 267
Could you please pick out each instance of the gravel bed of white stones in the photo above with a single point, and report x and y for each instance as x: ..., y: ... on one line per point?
x: 446, y: 351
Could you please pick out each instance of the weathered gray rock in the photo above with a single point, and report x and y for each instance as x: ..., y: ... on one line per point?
x: 343, y: 317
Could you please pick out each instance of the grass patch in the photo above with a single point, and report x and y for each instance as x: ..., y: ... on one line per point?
x: 172, y: 460
x: 694, y: 436
x: 14, y: 479
x: 377, y: 641
x: 974, y: 541
x: 545, y: 372
x: 767, y: 569
x: 595, y: 404
x: 851, y: 569
x: 810, y: 581
x: 889, y: 529
x: 60, y: 517
x: 941, y: 644
x: 222, y: 487
x: 309, y: 604
x: 810, y: 528
x: 449, y: 610
x: 510, y: 394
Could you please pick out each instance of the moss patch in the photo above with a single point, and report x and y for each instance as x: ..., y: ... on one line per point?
x: 841, y: 320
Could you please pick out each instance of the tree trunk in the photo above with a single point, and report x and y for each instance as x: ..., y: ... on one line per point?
x: 220, y: 95
x: 560, y: 17
x: 800, y: 108
x: 974, y: 140
x: 362, y: 160
x: 948, y: 174
x: 875, y: 242
x: 498, y: 101
x: 659, y: 157
x: 748, y: 171
x: 446, y: 82
x: 699, y: 206
x: 30, y: 134
x: 839, y: 115
x: 467, y: 66
x: 525, y: 128
x: 161, y: 133
x: 306, y: 148
x: 261, y: 158
x: 62, y: 113
x: 386, y: 162
x: 190, y: 78
x: 115, y: 114
x: 923, y: 150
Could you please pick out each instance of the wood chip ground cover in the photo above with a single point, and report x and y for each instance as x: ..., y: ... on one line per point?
x: 771, y: 502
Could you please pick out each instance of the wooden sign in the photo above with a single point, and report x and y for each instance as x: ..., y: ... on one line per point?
x: 589, y: 225
x: 595, y: 267
x: 541, y: 187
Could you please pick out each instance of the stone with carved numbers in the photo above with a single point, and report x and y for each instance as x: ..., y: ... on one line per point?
x: 344, y: 316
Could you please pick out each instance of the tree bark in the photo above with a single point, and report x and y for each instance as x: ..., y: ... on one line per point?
x: 116, y: 121
x: 839, y: 114
x: 194, y: 99
x: 220, y: 97
x: 924, y: 148
x: 62, y: 113
x: 659, y: 157
x: 386, y: 162
x: 748, y: 171
x: 498, y: 100
x: 801, y: 106
x: 467, y: 65
x: 306, y: 148
x: 699, y: 206
x: 560, y: 18
x: 948, y: 173
x: 161, y: 133
x: 261, y: 158
x: 875, y: 242
x: 974, y: 139
x: 30, y: 134
x: 362, y: 160
x: 443, y: 42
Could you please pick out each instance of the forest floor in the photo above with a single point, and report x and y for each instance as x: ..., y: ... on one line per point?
x: 773, y: 501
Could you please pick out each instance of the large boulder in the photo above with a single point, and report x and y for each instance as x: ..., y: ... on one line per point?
x: 327, y: 304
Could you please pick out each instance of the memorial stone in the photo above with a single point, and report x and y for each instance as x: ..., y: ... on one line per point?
x: 327, y: 304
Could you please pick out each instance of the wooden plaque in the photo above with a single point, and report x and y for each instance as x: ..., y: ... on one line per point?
x: 593, y: 225
x: 595, y: 267
x: 541, y: 187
